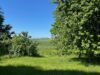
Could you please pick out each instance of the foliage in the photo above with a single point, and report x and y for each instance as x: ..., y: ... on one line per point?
x: 5, y: 45
x: 4, y: 28
x: 5, y: 36
x: 77, y: 25
x: 23, y: 45
x: 18, y: 45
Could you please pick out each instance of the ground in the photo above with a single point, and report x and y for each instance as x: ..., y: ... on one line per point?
x: 48, y: 64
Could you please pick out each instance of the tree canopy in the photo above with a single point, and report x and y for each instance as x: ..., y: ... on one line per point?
x: 77, y: 25
x: 4, y: 28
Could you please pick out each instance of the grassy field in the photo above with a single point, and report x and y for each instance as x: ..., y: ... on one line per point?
x: 46, y: 48
x: 48, y: 64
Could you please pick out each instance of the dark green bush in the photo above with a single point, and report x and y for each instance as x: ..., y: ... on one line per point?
x: 23, y: 45
x: 5, y: 44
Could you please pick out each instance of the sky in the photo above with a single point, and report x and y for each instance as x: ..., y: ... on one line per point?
x: 33, y: 16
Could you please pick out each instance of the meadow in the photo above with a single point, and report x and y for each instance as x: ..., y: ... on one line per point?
x: 49, y: 63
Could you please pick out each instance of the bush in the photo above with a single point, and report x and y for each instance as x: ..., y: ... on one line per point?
x: 5, y: 44
x: 23, y: 45
x: 32, y: 49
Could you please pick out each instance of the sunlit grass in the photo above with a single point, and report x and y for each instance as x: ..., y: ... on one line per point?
x: 50, y: 63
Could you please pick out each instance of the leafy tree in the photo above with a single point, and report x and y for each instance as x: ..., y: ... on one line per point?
x: 77, y: 25
x: 23, y: 45
x: 4, y: 28
x: 5, y: 36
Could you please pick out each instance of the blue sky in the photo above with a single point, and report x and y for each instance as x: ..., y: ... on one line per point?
x: 33, y: 16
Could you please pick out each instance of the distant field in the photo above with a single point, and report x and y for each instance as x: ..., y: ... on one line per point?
x: 46, y: 47
x: 44, y: 43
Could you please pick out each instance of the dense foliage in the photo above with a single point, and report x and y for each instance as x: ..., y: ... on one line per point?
x: 5, y: 36
x: 23, y: 45
x: 77, y: 25
x: 5, y: 44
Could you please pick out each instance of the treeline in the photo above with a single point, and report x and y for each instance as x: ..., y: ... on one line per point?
x: 77, y: 26
x: 13, y: 44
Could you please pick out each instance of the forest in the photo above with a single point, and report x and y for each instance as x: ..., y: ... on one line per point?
x: 73, y: 49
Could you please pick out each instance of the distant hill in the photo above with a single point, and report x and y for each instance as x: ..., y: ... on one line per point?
x: 41, y: 39
x: 44, y: 42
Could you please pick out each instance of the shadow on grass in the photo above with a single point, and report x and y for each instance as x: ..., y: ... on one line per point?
x: 37, y: 55
x: 26, y: 70
x: 87, y: 62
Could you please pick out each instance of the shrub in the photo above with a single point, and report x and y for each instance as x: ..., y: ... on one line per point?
x: 5, y: 44
x: 23, y: 45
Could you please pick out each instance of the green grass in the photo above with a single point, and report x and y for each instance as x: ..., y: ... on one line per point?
x: 46, y: 48
x: 49, y: 64
x: 46, y: 66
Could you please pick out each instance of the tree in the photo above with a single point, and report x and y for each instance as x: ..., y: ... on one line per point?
x: 77, y: 25
x: 4, y: 28
x: 5, y: 36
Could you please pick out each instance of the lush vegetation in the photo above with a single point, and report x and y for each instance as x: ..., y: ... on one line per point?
x: 5, y: 36
x: 76, y: 31
x: 77, y: 26
x: 23, y: 45
x: 15, y: 45
x: 48, y: 64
